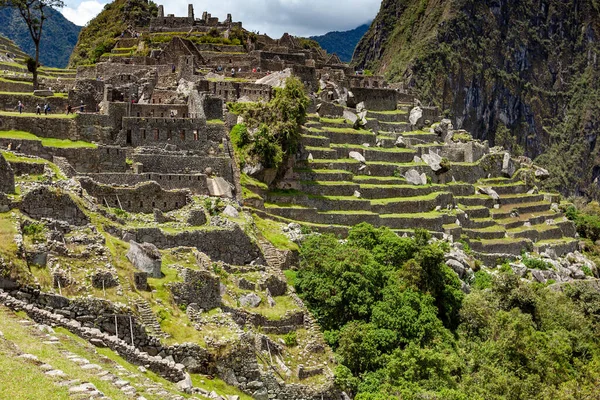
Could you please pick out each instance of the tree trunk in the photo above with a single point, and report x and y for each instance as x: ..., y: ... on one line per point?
x: 37, y: 62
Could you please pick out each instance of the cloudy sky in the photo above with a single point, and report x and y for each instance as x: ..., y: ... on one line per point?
x: 274, y: 17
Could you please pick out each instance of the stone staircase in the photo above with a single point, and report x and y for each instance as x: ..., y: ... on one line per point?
x: 333, y: 192
x: 148, y: 319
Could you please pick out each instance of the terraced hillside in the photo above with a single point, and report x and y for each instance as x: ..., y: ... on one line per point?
x: 480, y: 195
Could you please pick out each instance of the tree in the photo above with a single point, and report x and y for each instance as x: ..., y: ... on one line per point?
x: 34, y: 15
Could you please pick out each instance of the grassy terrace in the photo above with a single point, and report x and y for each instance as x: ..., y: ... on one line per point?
x: 34, y: 115
x: 48, y: 142
x: 378, y: 149
x: 10, y: 157
x: 391, y: 112
x: 30, y: 94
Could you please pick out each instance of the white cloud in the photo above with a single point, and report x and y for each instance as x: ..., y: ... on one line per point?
x: 274, y: 17
x: 81, y: 12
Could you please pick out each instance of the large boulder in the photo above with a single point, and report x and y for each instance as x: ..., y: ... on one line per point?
x: 444, y: 128
x: 276, y: 285
x: 416, y: 117
x: 219, y: 187
x: 508, y: 166
x: 490, y: 192
x: 357, y: 156
x: 433, y: 160
x: 414, y: 178
x: 250, y: 300
x: 145, y: 257
x: 7, y: 176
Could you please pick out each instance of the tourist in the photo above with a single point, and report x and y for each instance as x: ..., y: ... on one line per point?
x: 20, y: 106
x: 81, y: 107
x: 38, y: 109
x: 173, y: 69
x: 232, y: 72
x: 172, y: 115
x: 46, y: 108
x: 69, y: 109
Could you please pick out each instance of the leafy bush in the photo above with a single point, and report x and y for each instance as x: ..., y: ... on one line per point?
x: 536, y: 263
x: 291, y: 339
x: 271, y: 131
x: 587, y: 221
x: 35, y: 231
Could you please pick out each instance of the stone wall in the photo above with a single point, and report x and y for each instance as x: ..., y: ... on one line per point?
x: 7, y: 177
x: 8, y: 102
x: 59, y: 128
x: 196, y: 183
x: 232, y: 91
x: 186, y: 134
x: 375, y: 99
x: 103, y: 158
x: 176, y: 164
x: 229, y: 245
x: 143, y: 198
x: 45, y: 202
x: 198, y: 287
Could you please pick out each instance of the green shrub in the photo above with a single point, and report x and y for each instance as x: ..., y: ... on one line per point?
x: 291, y: 339
x: 35, y: 231
x: 536, y: 263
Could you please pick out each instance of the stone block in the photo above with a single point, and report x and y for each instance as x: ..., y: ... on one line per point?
x: 7, y: 177
x: 145, y: 257
x: 140, y: 280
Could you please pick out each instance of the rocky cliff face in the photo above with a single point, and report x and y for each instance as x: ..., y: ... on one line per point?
x: 529, y: 65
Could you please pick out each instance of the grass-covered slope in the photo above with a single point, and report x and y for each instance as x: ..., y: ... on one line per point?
x: 524, y: 64
x: 102, y: 32
x: 58, y: 39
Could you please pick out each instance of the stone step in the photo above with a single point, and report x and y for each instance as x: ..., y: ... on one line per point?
x: 560, y: 246
x: 521, y: 198
x: 524, y: 208
x: 380, y: 181
x: 323, y: 175
x: 490, y: 233
x: 476, y: 200
x: 375, y: 191
x: 479, y: 223
x: 389, y: 116
x: 323, y: 153
x: 371, y: 154
x: 315, y: 141
x: 328, y: 188
x: 537, y: 233
x: 502, y: 246
x: 511, y: 188
x: 349, y: 136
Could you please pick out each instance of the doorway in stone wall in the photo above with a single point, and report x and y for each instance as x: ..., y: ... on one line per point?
x: 129, y: 137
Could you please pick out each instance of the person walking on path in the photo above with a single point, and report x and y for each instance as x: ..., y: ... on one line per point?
x: 81, y: 107
x: 38, y: 109
x: 69, y: 109
x: 20, y: 107
x: 46, y: 108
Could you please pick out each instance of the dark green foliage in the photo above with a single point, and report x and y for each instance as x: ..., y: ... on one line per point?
x: 587, y: 222
x: 341, y: 43
x: 536, y: 263
x: 275, y: 126
x: 401, y: 328
x: 291, y: 339
x: 58, y: 37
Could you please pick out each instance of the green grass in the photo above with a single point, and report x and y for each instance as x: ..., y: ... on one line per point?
x: 271, y: 231
x: 334, y: 120
x: 247, y: 180
x: 48, y: 142
x: 34, y: 115
x: 10, y: 157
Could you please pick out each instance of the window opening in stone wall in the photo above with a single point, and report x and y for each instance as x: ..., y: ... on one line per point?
x: 182, y: 135
x: 169, y: 134
x: 143, y: 134
x: 156, y: 135
x: 165, y: 204
x: 141, y: 204
x: 129, y: 136
x: 153, y: 205
x: 176, y: 205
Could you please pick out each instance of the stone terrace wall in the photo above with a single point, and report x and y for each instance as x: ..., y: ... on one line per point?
x: 176, y: 164
x: 229, y: 245
x: 103, y: 158
x: 196, y: 183
x: 43, y: 127
x: 8, y: 102
x: 143, y: 198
